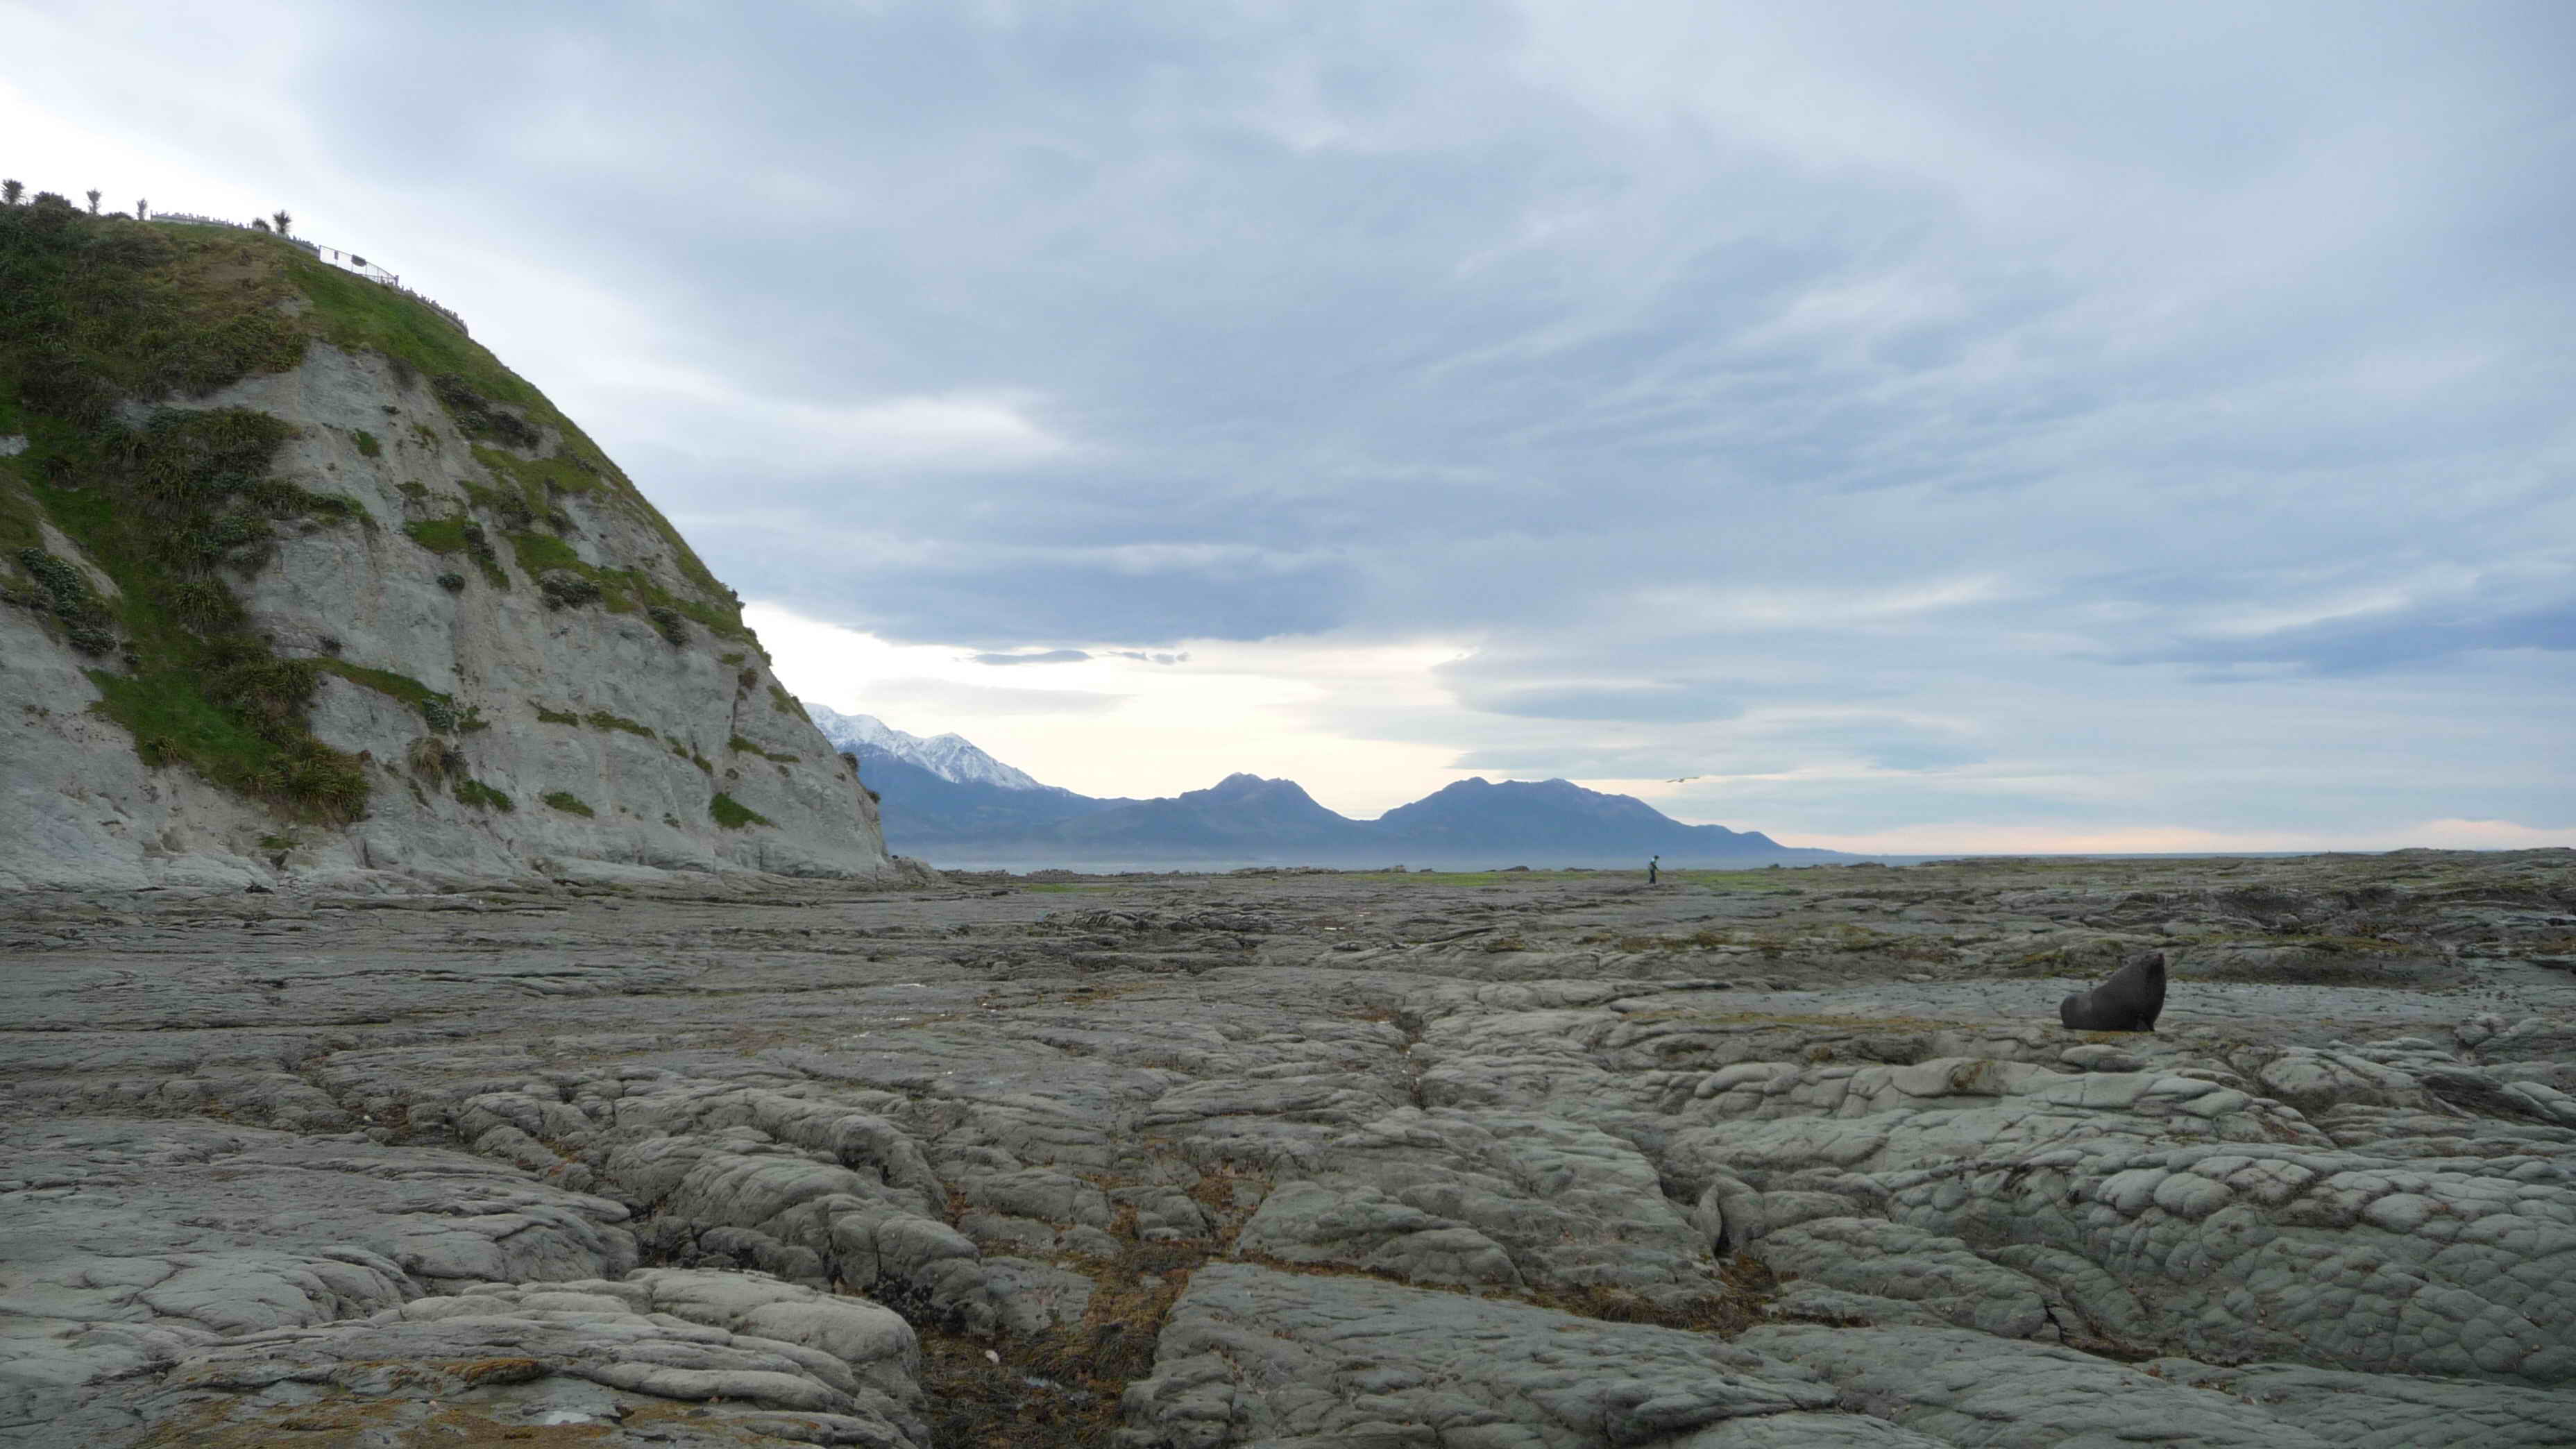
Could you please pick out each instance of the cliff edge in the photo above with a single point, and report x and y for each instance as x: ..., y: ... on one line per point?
x: 295, y: 578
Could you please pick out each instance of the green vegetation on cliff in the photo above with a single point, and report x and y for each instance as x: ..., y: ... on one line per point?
x: 102, y: 312
x: 620, y: 591
x: 732, y: 814
x: 742, y: 746
x: 480, y: 394
x: 107, y: 318
x: 169, y: 510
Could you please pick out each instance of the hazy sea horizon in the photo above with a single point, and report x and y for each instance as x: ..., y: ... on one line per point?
x: 1025, y: 865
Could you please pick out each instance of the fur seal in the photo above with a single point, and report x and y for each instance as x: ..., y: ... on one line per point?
x: 2129, y: 1001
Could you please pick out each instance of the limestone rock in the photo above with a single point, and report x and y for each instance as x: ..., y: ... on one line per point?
x: 1955, y: 1386
x: 1254, y: 1356
x: 1453, y: 1196
x: 773, y: 1362
x: 810, y: 1162
x: 494, y: 656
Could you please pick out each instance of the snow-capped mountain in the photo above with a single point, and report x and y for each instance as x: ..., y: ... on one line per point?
x: 951, y: 757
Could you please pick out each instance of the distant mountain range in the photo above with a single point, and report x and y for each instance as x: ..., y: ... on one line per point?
x: 942, y: 798
x: 951, y: 757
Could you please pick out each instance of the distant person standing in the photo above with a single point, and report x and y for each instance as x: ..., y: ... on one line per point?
x: 1654, y: 869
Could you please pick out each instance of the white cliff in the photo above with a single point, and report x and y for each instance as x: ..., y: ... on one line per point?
x: 518, y: 655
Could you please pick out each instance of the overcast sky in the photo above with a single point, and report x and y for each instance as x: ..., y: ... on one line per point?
x: 1899, y: 427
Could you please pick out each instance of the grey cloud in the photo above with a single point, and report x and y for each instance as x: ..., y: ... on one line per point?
x: 956, y: 602
x: 1338, y: 350
x: 2325, y: 803
x: 994, y: 598
x: 1672, y: 762
x: 2161, y: 317
x: 1754, y: 747
x: 2375, y: 642
x: 1619, y: 663
x: 1654, y: 701
x: 1829, y: 805
x: 1889, y: 744
x: 936, y: 696
x: 1047, y: 656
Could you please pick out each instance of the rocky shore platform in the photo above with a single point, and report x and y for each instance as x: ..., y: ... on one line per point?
x: 1520, y: 1160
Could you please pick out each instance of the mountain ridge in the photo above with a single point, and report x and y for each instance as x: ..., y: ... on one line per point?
x: 926, y: 812
x: 952, y: 757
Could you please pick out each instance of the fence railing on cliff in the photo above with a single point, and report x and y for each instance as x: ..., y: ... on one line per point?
x: 345, y: 261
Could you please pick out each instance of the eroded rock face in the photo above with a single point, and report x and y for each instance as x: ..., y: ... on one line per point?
x: 533, y: 673
x: 769, y: 1362
x: 1775, y: 1158
x: 1251, y: 1355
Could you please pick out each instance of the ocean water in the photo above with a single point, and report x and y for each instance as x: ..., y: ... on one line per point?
x: 972, y: 861
x: 1023, y: 865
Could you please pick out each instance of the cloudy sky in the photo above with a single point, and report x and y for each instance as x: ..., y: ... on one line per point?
x: 1900, y: 427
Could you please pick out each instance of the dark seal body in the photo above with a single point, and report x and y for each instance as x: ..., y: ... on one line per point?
x: 2129, y: 1001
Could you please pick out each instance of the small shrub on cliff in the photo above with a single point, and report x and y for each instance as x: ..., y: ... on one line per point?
x: 63, y: 585
x: 569, y: 803
x: 668, y: 624
x: 452, y: 581
x: 438, y: 535
x: 459, y: 534
x: 207, y: 607
x: 436, y: 758
x: 732, y: 814
x: 68, y: 596
x: 517, y: 516
x: 478, y: 416
x: 481, y: 796
x: 564, y: 589
x: 741, y: 746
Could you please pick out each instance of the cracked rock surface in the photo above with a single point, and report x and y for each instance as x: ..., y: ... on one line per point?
x: 1758, y: 1158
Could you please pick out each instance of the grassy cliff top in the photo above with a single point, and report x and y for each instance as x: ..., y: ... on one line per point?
x: 105, y: 309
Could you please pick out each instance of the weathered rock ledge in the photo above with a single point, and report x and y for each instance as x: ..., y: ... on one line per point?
x: 1768, y: 1158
